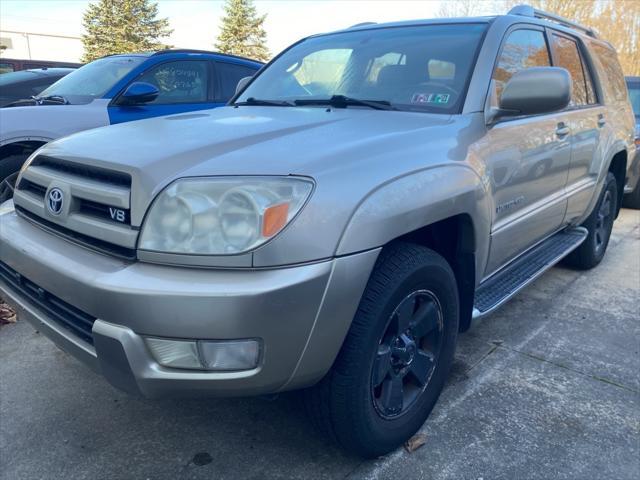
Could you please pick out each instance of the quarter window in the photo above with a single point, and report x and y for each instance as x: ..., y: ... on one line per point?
x: 614, y: 83
x: 568, y: 56
x: 522, y: 49
x: 178, y: 82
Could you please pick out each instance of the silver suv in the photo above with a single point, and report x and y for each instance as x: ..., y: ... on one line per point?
x: 358, y: 202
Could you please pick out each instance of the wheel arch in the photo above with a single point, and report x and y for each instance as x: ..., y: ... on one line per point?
x: 445, y: 208
x: 26, y: 146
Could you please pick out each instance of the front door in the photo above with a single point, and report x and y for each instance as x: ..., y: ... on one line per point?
x: 527, y: 159
x: 184, y: 86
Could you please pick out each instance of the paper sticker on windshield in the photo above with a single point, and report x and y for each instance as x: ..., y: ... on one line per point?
x: 439, y: 98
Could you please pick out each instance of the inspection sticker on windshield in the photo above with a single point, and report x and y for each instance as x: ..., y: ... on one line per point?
x: 440, y: 98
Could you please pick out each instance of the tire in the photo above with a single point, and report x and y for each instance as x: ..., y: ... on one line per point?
x: 599, y: 223
x: 632, y: 200
x: 356, y: 403
x: 11, y: 164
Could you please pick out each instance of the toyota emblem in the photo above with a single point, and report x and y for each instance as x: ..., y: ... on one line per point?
x: 55, y: 201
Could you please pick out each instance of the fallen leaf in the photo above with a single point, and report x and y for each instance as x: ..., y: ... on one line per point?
x: 7, y: 314
x: 415, y: 442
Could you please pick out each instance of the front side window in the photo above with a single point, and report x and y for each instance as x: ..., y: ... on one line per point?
x: 178, y: 82
x: 568, y: 56
x: 94, y: 79
x: 522, y: 49
x: 418, y: 68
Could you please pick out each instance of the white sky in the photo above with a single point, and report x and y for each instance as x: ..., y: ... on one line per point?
x: 196, y: 22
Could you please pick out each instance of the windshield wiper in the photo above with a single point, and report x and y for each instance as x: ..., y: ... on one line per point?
x: 52, y: 99
x: 341, y: 101
x: 263, y: 102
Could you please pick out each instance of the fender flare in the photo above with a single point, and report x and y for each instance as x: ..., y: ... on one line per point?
x: 418, y: 199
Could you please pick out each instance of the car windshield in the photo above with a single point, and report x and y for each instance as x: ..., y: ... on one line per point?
x: 94, y: 79
x: 416, y: 68
x: 634, y: 95
x: 15, y: 77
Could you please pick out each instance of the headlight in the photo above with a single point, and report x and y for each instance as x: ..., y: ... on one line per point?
x: 221, y: 216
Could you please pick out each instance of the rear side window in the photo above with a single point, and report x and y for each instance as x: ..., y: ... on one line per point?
x: 522, y: 49
x: 178, y: 82
x: 230, y: 74
x: 613, y: 81
x: 567, y: 55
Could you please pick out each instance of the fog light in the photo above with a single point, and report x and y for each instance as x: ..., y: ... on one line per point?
x: 229, y: 355
x: 175, y: 353
x: 205, y: 354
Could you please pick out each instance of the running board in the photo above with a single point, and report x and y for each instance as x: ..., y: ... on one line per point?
x: 500, y: 287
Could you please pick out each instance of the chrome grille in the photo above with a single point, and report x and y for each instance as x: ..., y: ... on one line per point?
x: 96, y: 206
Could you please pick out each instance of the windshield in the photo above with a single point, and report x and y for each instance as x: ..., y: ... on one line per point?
x: 419, y: 68
x: 94, y: 79
x: 634, y: 95
x: 14, y: 77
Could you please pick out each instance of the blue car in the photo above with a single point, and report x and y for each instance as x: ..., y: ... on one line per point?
x: 116, y: 89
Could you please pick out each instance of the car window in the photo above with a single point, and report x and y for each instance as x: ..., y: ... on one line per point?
x: 94, y: 79
x: 415, y: 68
x: 6, y: 67
x: 230, y: 74
x: 378, y: 63
x: 567, y: 55
x: 322, y: 71
x: 522, y: 49
x: 634, y: 96
x: 184, y: 81
x: 613, y: 83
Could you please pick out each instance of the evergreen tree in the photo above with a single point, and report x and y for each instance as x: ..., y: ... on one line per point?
x: 122, y: 26
x: 243, y: 31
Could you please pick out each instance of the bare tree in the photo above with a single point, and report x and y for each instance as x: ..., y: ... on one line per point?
x: 469, y: 8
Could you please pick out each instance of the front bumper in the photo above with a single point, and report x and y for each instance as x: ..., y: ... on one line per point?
x: 301, y: 313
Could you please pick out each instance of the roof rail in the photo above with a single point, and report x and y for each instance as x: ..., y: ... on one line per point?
x: 363, y: 24
x: 529, y: 11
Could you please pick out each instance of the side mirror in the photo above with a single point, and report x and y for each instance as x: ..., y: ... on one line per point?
x: 242, y: 83
x: 533, y: 91
x: 139, y: 93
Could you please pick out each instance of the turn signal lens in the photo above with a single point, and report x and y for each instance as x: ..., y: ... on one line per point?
x: 274, y: 219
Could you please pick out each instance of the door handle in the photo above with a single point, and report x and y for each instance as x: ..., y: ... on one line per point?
x: 562, y: 130
x: 601, y: 120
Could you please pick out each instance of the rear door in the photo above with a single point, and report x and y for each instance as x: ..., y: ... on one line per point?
x: 184, y: 86
x: 586, y: 117
x: 527, y: 158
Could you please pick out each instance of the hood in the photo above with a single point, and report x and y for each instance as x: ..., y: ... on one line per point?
x: 48, y: 122
x: 240, y: 140
x: 312, y: 141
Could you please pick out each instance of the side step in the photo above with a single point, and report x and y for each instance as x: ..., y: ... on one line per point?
x: 503, y: 285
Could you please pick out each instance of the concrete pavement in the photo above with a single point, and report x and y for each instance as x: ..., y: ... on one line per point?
x: 547, y: 387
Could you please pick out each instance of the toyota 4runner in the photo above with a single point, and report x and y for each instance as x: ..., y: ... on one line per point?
x: 335, y: 226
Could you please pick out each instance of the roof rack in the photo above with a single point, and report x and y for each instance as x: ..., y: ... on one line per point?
x: 529, y: 11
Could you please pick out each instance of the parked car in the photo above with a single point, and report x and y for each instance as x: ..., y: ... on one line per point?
x: 8, y: 65
x: 336, y: 226
x: 116, y: 89
x: 28, y: 83
x: 632, y: 194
